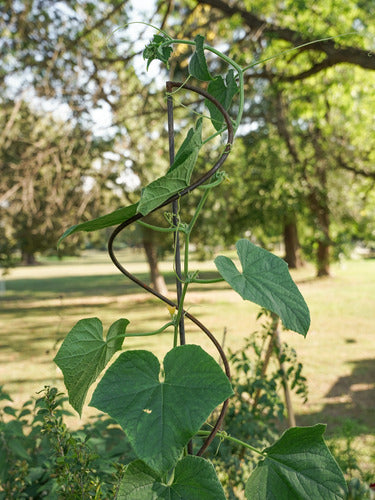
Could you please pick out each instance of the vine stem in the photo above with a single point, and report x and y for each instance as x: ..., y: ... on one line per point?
x: 180, y: 312
x: 207, y: 282
x: 176, y: 197
x: 224, y: 435
x: 180, y: 324
x: 287, y: 51
x: 148, y: 334
x: 157, y: 228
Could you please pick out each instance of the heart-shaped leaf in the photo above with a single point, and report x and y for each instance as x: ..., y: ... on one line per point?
x: 117, y: 217
x: 223, y: 91
x: 265, y: 280
x: 194, y: 479
x: 177, y: 177
x: 160, y: 418
x: 198, y: 64
x: 84, y: 353
x: 299, y: 466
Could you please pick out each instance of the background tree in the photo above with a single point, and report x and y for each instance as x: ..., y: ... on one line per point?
x: 46, y: 168
x: 287, y: 97
x: 73, y: 53
x: 68, y: 56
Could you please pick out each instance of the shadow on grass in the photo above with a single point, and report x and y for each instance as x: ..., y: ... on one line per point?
x: 351, y: 398
x: 42, y: 380
x: 84, y: 286
x: 62, y: 310
x: 72, y: 286
x: 313, y: 279
x: 33, y: 339
x: 46, y: 327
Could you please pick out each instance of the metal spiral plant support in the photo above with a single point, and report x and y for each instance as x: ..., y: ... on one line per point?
x: 174, y: 201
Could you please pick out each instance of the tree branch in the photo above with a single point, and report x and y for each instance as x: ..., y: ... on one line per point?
x: 100, y: 21
x: 327, y: 63
x: 335, y: 53
x: 358, y: 171
x: 167, y: 13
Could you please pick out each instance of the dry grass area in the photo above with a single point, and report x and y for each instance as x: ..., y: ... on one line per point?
x: 41, y: 304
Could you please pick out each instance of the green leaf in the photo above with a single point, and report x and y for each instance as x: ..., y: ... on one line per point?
x: 299, y: 466
x: 117, y: 217
x: 160, y: 417
x: 224, y: 93
x: 84, y: 353
x: 198, y: 65
x: 191, y: 142
x: 17, y: 447
x: 4, y: 396
x: 194, y: 479
x: 265, y: 280
x: 155, y: 50
x: 178, y: 176
x: 9, y: 410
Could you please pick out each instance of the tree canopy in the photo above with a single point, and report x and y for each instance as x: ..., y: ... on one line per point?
x: 306, y: 115
x: 306, y: 147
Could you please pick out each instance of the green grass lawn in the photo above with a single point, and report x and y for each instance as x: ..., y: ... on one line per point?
x: 42, y: 303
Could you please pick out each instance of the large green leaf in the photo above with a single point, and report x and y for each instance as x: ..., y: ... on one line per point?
x: 298, y: 466
x: 178, y: 176
x: 198, y: 64
x: 160, y: 417
x: 223, y: 91
x: 117, y: 217
x: 265, y: 280
x: 194, y: 479
x: 84, y: 353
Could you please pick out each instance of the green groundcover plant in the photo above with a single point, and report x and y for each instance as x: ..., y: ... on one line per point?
x: 163, y: 407
x: 41, y: 458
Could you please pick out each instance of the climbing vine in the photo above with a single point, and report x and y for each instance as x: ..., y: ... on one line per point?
x: 162, y: 407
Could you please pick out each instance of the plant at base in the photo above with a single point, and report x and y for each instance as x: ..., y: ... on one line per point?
x: 41, y: 458
x: 162, y: 408
x: 75, y: 472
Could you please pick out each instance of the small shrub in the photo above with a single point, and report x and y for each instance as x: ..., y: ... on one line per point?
x: 41, y: 458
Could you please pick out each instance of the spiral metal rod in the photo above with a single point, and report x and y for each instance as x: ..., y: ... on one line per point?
x: 173, y: 199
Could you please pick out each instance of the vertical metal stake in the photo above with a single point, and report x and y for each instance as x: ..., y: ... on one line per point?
x: 175, y: 212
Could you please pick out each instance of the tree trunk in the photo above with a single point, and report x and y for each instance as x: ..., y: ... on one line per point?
x: 324, y: 240
x: 292, y: 247
x: 28, y: 259
x: 319, y: 205
x: 323, y: 258
x: 157, y: 279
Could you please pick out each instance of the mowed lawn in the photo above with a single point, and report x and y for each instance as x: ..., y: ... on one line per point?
x: 41, y: 304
